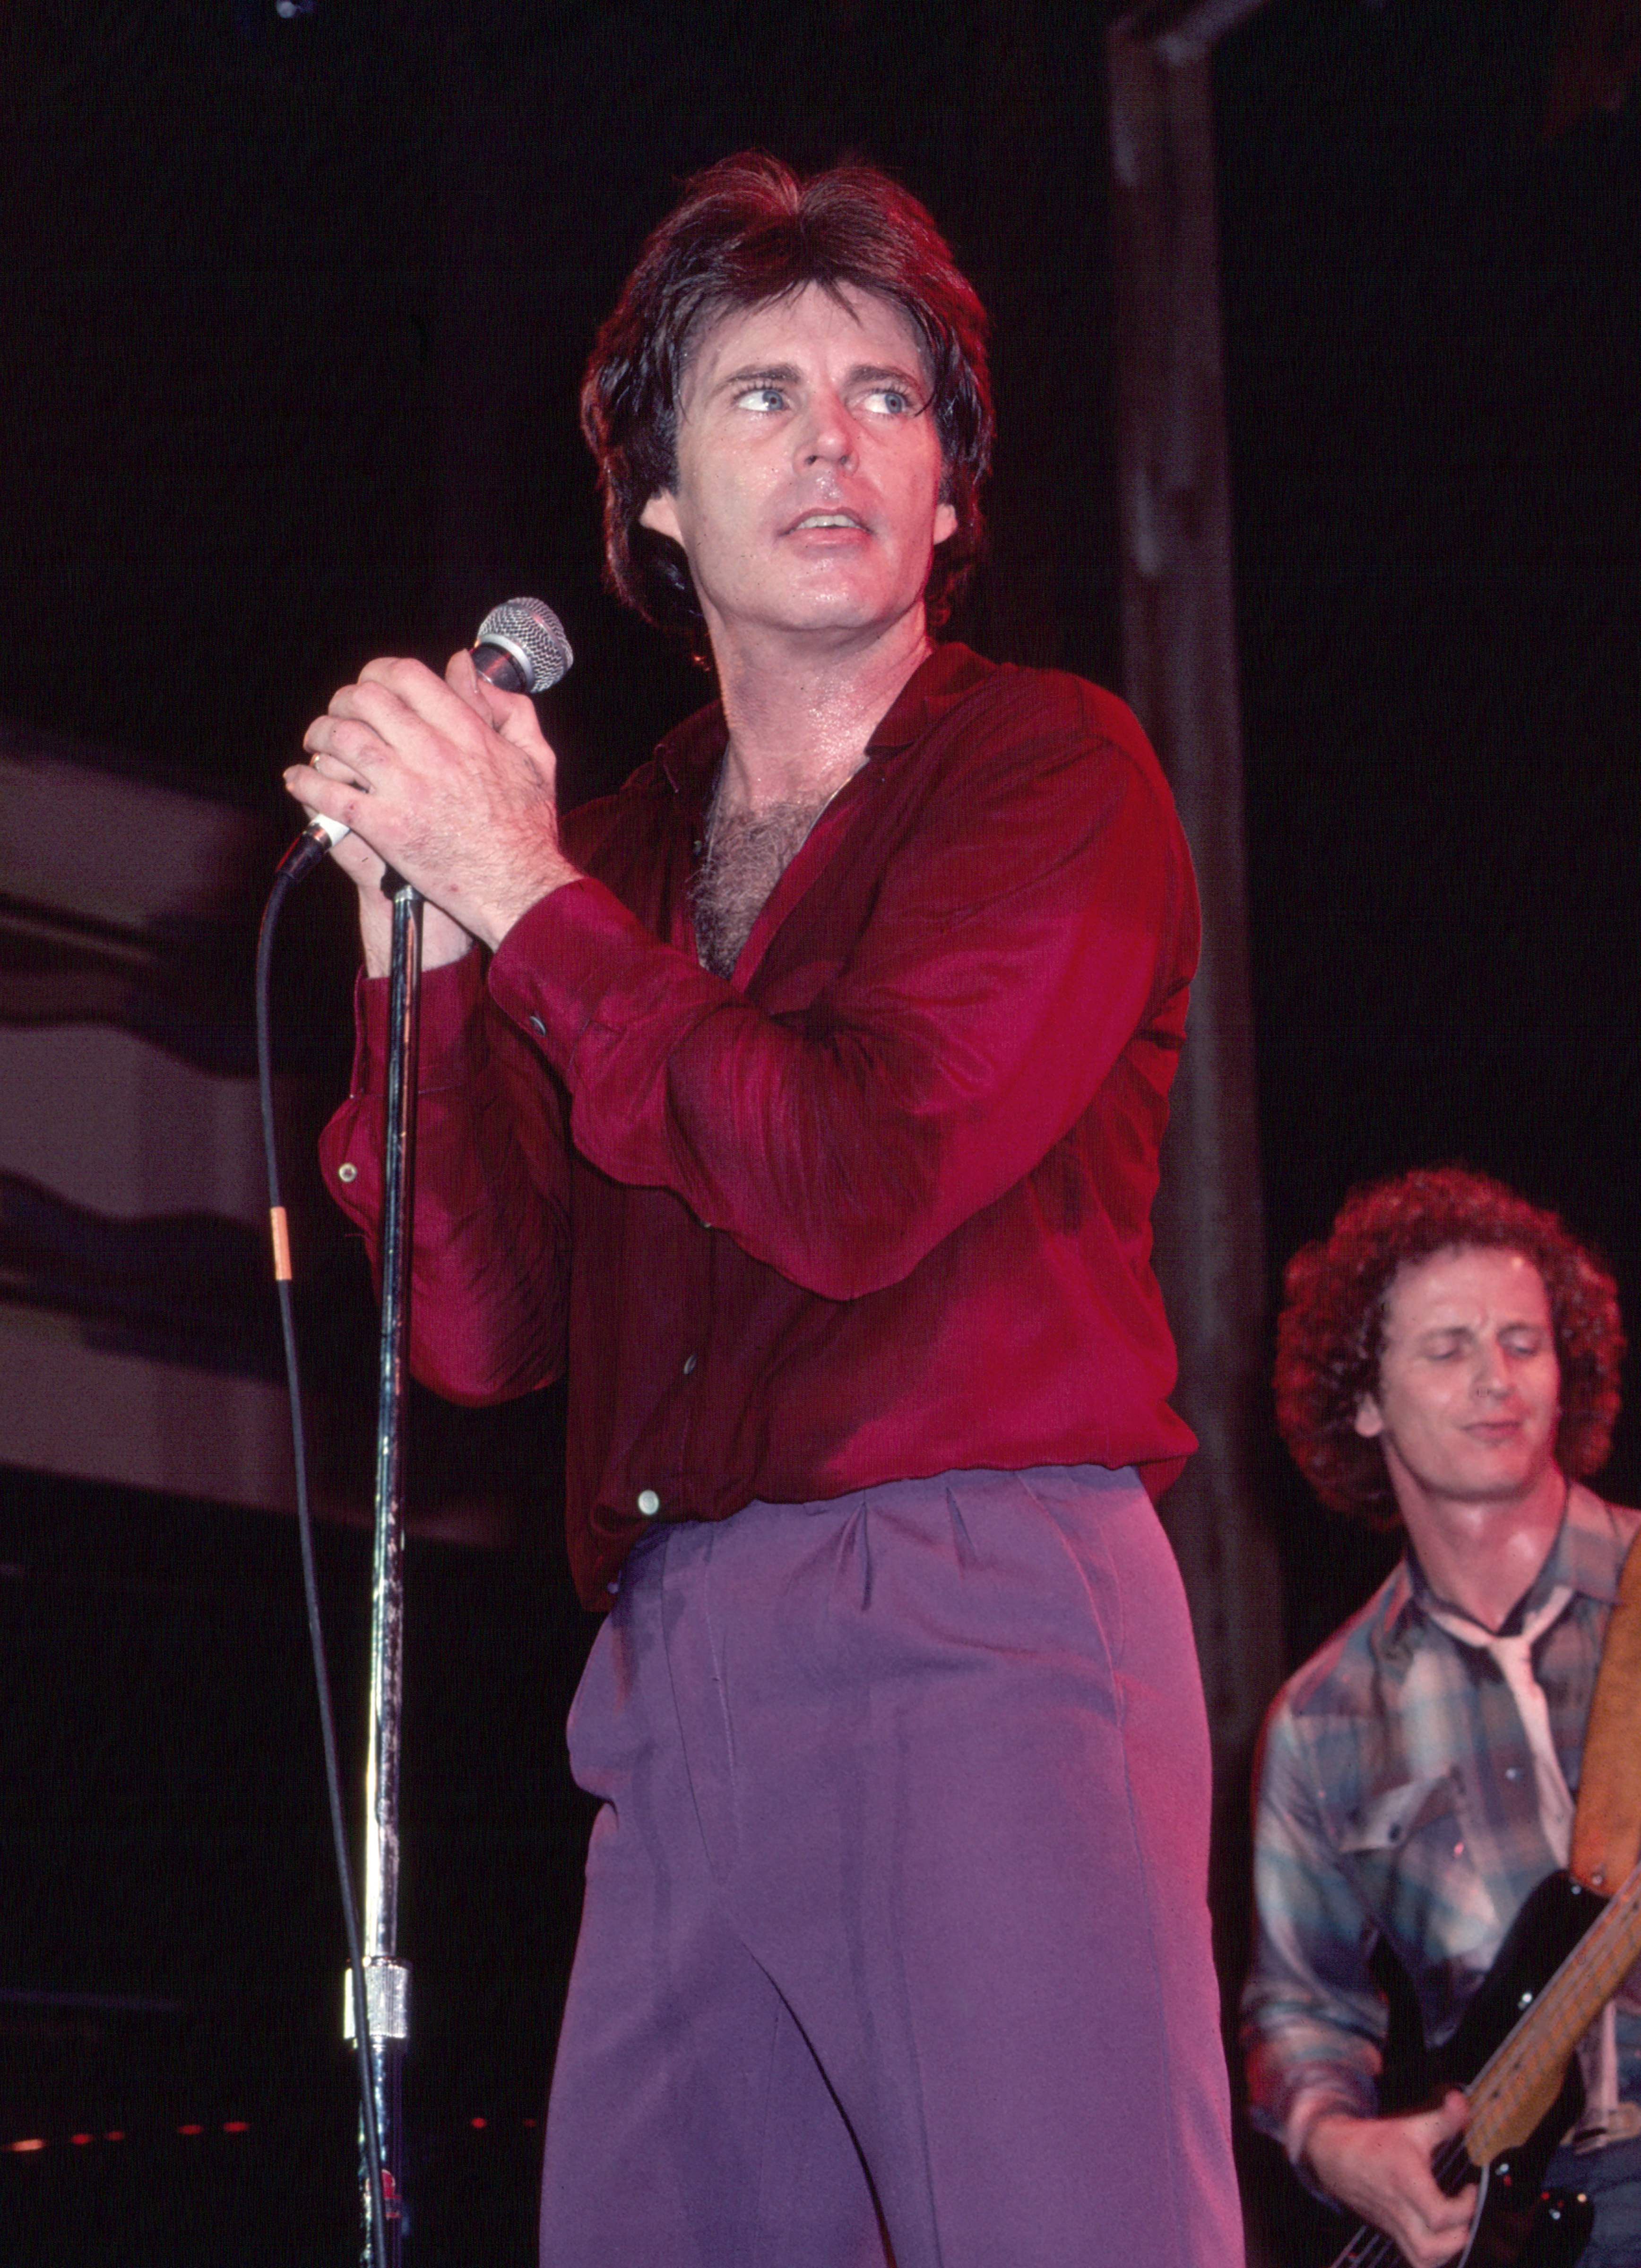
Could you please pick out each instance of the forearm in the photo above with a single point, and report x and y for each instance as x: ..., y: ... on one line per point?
x: 1301, y: 2071
x: 1313, y: 2017
x: 841, y: 1122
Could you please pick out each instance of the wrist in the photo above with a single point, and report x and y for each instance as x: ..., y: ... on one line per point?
x: 1309, y: 2140
x: 504, y: 911
x: 443, y: 940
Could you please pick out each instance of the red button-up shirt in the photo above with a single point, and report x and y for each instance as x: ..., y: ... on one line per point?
x: 877, y: 1207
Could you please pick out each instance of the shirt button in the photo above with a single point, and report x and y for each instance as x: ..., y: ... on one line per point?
x: 689, y: 1363
x: 536, y: 1025
x: 649, y: 1503
x: 347, y: 1173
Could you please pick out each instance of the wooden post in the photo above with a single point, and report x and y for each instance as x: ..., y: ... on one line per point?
x: 1181, y: 678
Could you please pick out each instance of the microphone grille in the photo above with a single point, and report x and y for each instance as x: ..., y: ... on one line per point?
x: 529, y: 630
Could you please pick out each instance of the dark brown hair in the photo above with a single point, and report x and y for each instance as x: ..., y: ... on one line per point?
x: 1330, y: 1336
x: 748, y: 230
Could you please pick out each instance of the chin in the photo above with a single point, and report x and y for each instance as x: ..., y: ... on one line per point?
x: 1502, y: 1483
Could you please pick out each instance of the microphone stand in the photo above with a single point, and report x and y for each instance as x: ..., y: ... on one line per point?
x: 522, y: 648
x: 387, y: 1977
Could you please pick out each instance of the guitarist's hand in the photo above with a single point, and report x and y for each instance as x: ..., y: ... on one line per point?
x: 1381, y: 2168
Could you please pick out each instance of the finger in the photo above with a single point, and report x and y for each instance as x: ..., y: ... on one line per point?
x: 349, y: 739
x: 358, y: 861
x: 1453, y: 2212
x: 341, y: 771
x: 409, y: 708
x: 402, y: 674
x: 412, y: 688
x: 1433, y: 2127
x: 377, y: 702
x: 465, y: 683
x: 373, y: 738
x: 511, y: 716
x: 326, y: 799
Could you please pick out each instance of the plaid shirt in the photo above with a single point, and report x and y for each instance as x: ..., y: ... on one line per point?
x: 1397, y: 1801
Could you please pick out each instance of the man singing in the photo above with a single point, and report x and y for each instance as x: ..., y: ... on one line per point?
x: 803, y: 1099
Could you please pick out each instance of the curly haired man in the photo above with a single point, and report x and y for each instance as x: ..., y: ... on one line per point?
x: 1447, y: 1359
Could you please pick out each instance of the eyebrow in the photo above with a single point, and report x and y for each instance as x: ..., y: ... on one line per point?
x: 763, y: 373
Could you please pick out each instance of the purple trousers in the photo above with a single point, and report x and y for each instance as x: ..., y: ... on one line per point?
x: 896, y: 1942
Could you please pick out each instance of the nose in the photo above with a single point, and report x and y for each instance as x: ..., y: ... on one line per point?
x: 1491, y: 1378
x: 826, y: 433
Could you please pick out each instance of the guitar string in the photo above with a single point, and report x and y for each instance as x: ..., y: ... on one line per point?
x: 1371, y: 2248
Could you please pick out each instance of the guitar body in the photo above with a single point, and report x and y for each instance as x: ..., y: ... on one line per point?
x: 1543, y: 1933
x: 1520, y: 2225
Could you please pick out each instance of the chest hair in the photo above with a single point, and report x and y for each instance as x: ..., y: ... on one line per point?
x: 747, y: 853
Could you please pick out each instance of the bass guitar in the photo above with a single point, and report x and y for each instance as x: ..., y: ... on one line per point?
x: 1567, y: 1952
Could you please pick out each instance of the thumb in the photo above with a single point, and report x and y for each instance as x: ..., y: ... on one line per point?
x: 512, y: 715
x: 1450, y: 2116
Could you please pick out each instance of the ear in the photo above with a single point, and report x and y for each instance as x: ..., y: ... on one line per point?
x: 945, y: 521
x: 1370, y: 1419
x: 661, y: 513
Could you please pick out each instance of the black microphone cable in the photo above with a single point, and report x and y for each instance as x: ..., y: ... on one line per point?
x: 283, y: 882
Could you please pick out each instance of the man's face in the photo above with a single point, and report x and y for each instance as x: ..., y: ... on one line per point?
x: 1469, y: 1387
x: 808, y: 493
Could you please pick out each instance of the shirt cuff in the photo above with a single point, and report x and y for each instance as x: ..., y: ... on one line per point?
x: 558, y: 960
x: 1307, y: 2106
x: 450, y: 1038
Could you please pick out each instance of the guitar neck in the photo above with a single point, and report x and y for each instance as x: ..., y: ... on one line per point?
x: 1514, y: 2090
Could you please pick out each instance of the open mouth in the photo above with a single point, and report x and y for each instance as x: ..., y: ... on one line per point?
x: 838, y: 519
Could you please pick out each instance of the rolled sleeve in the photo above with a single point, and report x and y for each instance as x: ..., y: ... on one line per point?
x: 1314, y: 2021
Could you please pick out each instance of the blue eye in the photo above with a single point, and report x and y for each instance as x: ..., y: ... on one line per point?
x: 761, y: 398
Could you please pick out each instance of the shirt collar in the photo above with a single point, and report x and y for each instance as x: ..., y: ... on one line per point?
x: 691, y: 751
x: 1583, y: 1556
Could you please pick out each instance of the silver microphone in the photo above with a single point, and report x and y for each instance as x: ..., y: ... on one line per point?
x: 520, y: 648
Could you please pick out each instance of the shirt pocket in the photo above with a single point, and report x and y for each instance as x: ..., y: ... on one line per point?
x: 1409, y: 1850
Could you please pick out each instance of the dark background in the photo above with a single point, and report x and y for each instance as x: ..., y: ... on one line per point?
x: 292, y: 312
